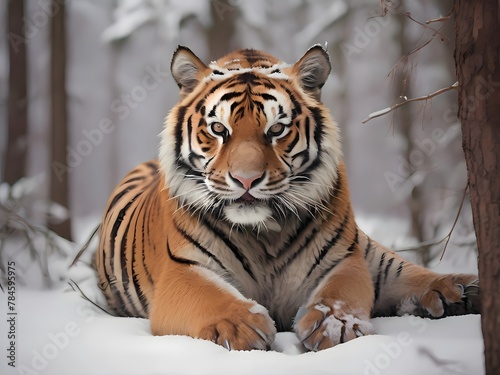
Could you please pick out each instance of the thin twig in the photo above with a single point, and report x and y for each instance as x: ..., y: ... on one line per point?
x: 438, y: 241
x: 454, y: 223
x: 84, y: 296
x: 85, y: 246
x: 425, y: 26
x: 416, y: 49
x: 396, y: 106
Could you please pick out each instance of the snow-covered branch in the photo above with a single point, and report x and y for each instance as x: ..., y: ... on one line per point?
x: 396, y: 106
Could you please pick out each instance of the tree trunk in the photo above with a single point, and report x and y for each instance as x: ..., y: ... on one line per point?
x: 59, y: 129
x: 224, y: 13
x: 478, y: 68
x: 15, y: 158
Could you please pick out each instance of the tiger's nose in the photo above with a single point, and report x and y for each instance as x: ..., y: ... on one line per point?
x: 248, y: 180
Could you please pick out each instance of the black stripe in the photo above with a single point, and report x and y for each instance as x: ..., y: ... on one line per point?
x: 329, y: 245
x: 247, y: 78
x: 386, y: 271
x: 135, y: 279
x: 319, y: 128
x: 260, y: 105
x: 145, y: 211
x: 192, y: 155
x: 119, y: 195
x: 400, y: 268
x: 178, y: 130
x: 305, y: 153
x: 133, y: 180
x: 230, y: 95
x: 368, y: 247
x: 113, y: 235
x: 294, y: 237
x: 243, y: 260
x: 154, y: 165
x: 240, y: 113
x: 350, y: 251
x: 187, y: 169
x: 267, y: 97
x: 203, y: 132
x: 234, y: 105
x: 199, y: 106
x: 147, y: 216
x: 200, y: 247
x: 267, y: 84
x: 216, y: 87
x: 353, y: 245
x: 297, y: 109
x: 180, y: 260
x: 212, y: 111
x: 377, y: 283
x: 286, y: 163
x: 293, y: 143
x: 123, y: 264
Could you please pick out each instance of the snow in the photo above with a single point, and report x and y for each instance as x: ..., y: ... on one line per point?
x: 59, y: 332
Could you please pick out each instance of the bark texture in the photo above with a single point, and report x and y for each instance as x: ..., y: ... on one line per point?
x: 59, y: 189
x: 477, y: 63
x: 15, y: 158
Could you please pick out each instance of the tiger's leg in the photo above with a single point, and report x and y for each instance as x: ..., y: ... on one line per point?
x: 339, y: 309
x: 192, y: 300
x: 402, y: 287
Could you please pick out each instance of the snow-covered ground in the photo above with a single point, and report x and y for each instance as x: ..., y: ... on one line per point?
x: 59, y: 332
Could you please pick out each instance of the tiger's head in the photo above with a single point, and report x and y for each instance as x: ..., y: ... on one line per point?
x: 249, y: 139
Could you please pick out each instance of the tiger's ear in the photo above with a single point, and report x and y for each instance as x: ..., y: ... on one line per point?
x: 313, y: 69
x: 187, y: 69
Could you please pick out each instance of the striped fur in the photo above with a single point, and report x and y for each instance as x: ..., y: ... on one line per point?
x: 244, y: 226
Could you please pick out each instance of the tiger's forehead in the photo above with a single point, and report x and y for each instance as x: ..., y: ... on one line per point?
x: 248, y: 60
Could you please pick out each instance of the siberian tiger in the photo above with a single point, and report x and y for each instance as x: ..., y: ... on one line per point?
x: 244, y: 226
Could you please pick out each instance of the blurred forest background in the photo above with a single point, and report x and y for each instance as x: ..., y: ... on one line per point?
x: 97, y: 87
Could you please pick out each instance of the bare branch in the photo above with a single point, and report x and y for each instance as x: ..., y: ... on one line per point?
x: 454, y: 224
x: 445, y: 239
x: 85, y: 246
x: 441, y: 19
x: 419, y: 98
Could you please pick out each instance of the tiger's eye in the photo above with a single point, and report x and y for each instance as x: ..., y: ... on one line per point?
x: 276, y: 130
x: 218, y: 128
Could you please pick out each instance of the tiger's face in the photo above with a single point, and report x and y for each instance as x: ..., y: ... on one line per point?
x: 249, y: 140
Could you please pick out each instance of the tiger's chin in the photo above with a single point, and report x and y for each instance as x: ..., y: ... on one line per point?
x: 255, y: 214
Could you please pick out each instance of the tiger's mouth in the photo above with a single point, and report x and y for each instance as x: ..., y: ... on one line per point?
x: 246, y: 198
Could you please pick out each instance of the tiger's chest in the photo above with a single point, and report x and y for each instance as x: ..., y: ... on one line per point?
x: 271, y: 271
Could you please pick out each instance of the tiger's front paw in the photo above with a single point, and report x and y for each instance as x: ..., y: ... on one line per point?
x: 241, y: 327
x: 453, y: 294
x: 330, y: 322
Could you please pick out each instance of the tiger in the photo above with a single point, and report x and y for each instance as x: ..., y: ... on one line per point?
x: 243, y: 227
